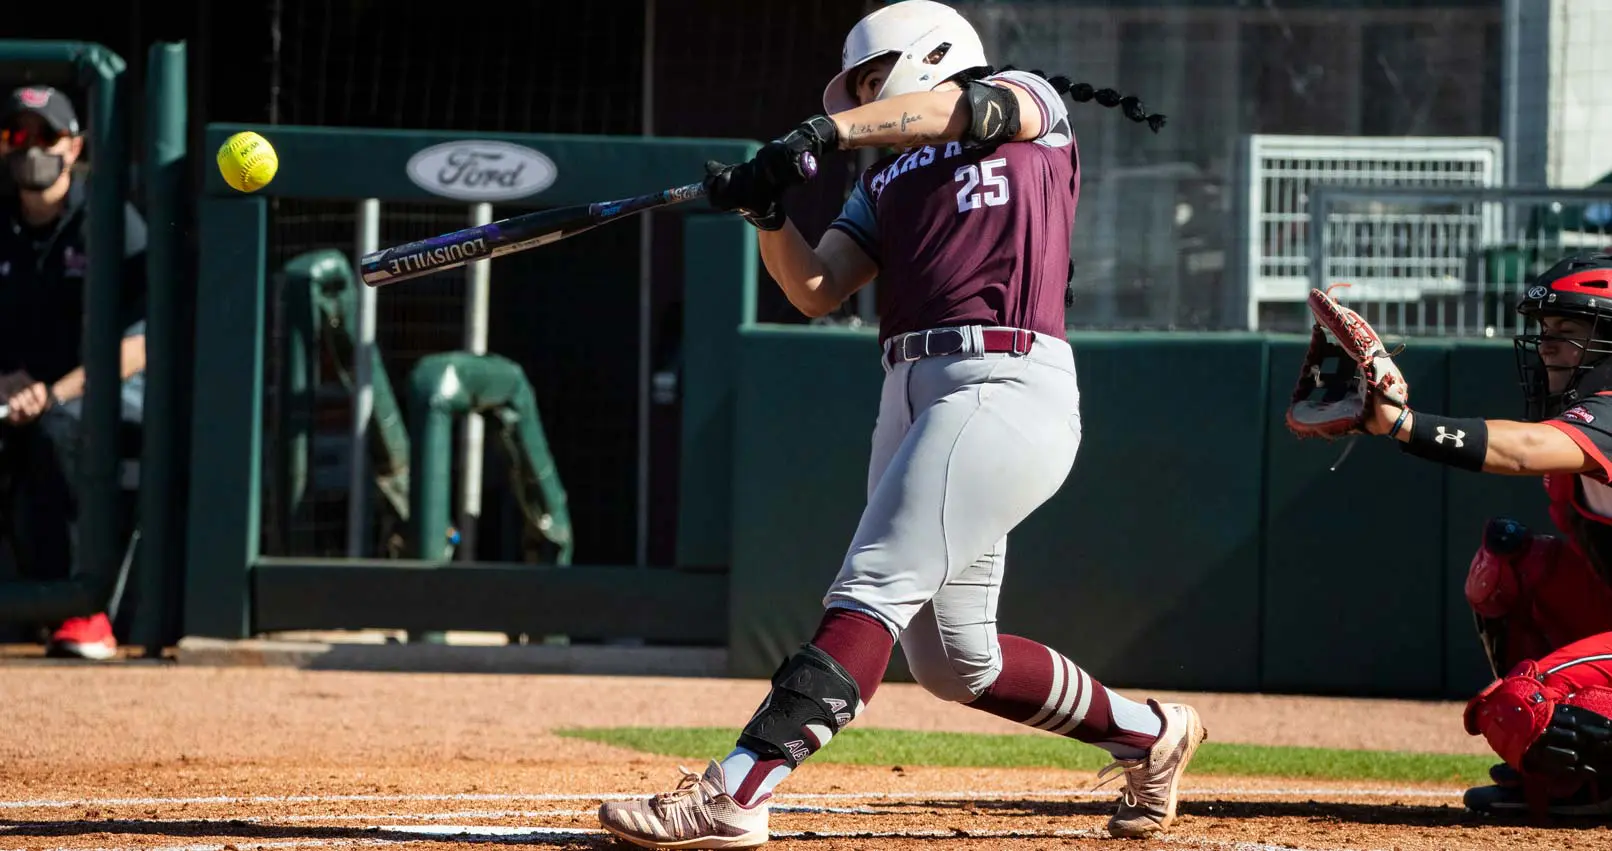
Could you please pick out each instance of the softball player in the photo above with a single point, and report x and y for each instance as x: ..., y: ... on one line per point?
x: 968, y: 225
x: 1541, y: 602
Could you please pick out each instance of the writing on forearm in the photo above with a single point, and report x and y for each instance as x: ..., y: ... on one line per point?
x: 862, y: 131
x: 909, y: 129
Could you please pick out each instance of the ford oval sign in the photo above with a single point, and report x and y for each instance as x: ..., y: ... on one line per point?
x: 481, y: 171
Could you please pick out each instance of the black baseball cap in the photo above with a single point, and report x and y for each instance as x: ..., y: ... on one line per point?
x: 47, y: 103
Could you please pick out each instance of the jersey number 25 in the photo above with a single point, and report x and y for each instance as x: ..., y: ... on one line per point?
x: 984, y: 174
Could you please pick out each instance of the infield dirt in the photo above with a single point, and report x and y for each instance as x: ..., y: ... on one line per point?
x: 196, y: 759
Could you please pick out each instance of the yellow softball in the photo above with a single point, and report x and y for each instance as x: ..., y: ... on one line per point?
x: 247, y: 161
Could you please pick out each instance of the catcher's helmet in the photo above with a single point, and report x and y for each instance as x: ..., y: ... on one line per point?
x: 932, y: 42
x: 1578, y: 286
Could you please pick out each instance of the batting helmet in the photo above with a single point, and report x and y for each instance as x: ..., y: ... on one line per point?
x: 1578, y: 286
x: 931, y: 40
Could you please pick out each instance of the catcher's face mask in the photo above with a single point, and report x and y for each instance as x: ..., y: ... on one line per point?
x: 1553, y: 362
x: 1570, y: 306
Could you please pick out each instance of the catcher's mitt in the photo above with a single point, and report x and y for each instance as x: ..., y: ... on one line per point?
x: 1338, y: 402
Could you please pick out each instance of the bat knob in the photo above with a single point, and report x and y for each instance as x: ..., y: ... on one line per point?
x: 807, y: 163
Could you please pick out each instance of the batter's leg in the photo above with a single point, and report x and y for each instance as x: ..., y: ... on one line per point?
x: 992, y: 438
x: 1023, y: 681
x: 952, y: 642
x: 856, y: 639
x: 954, y: 651
x: 995, y: 438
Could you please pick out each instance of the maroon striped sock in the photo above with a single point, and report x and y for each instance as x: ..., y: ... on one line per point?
x: 1039, y: 688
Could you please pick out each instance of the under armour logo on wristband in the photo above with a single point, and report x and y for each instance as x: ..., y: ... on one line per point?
x: 1442, y: 434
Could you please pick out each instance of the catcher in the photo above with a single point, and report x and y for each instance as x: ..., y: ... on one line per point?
x: 1542, y: 603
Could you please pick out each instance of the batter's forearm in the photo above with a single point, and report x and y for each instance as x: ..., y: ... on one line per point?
x: 921, y: 118
x: 800, y: 273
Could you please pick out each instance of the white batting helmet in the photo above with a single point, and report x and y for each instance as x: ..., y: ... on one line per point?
x: 915, y: 30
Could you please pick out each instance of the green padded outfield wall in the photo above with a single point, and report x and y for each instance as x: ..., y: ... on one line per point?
x: 1196, y: 545
x: 1353, y: 583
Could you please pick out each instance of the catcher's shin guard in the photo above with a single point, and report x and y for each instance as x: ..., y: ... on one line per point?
x: 812, y: 699
x: 1556, y: 733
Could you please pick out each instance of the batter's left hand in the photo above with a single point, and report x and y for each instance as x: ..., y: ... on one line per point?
x: 755, y: 189
x: 803, y: 146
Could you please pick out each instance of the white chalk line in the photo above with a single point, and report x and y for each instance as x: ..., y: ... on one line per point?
x: 965, y: 795
x: 444, y: 816
x: 502, y: 834
x: 481, y: 833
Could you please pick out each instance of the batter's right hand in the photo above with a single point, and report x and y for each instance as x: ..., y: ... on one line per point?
x: 746, y: 190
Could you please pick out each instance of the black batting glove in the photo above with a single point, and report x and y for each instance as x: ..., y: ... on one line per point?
x: 755, y: 189
x: 743, y: 189
x: 813, y: 136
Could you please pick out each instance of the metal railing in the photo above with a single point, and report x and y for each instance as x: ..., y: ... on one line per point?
x: 1416, y: 266
x: 1279, y: 175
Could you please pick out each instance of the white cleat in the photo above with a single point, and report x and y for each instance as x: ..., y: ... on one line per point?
x: 699, y: 813
x: 1153, y: 783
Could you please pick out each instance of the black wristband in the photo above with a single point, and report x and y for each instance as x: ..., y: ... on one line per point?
x: 1462, y: 443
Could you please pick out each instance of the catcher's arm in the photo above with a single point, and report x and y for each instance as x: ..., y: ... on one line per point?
x: 1507, y: 447
x: 1367, y: 392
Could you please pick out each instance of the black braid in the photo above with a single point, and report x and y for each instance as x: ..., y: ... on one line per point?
x: 1131, y: 105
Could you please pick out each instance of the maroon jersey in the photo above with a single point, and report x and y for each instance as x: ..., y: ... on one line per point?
x: 977, y: 238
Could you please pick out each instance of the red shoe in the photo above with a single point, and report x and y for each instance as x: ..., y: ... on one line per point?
x: 85, y: 638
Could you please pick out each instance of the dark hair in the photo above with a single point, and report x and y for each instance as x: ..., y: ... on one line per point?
x: 1131, y: 105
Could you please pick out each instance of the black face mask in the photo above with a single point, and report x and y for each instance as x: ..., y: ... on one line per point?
x: 34, y: 170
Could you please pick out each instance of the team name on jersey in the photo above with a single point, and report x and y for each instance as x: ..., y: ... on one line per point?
x: 919, y: 158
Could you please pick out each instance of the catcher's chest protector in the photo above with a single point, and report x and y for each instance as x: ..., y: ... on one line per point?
x: 1574, y: 511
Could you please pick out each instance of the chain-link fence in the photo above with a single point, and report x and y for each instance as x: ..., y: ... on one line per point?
x: 1209, y: 225
x: 1202, y: 226
x: 1424, y: 260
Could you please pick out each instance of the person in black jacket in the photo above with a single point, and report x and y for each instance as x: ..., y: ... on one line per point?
x: 43, y: 266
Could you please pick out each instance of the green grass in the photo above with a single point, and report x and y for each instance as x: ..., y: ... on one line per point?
x: 911, y: 748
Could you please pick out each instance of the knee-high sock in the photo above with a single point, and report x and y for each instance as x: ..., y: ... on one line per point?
x: 862, y: 645
x: 1040, y: 688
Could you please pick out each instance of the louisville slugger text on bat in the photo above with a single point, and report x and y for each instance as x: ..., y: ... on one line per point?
x: 507, y: 236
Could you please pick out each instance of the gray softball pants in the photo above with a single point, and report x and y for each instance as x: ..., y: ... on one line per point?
x: 964, y: 448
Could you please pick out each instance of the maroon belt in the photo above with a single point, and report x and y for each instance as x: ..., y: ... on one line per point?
x: 951, y: 341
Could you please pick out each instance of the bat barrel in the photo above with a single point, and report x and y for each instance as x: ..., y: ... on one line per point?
x: 425, y: 256
x: 529, y: 230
